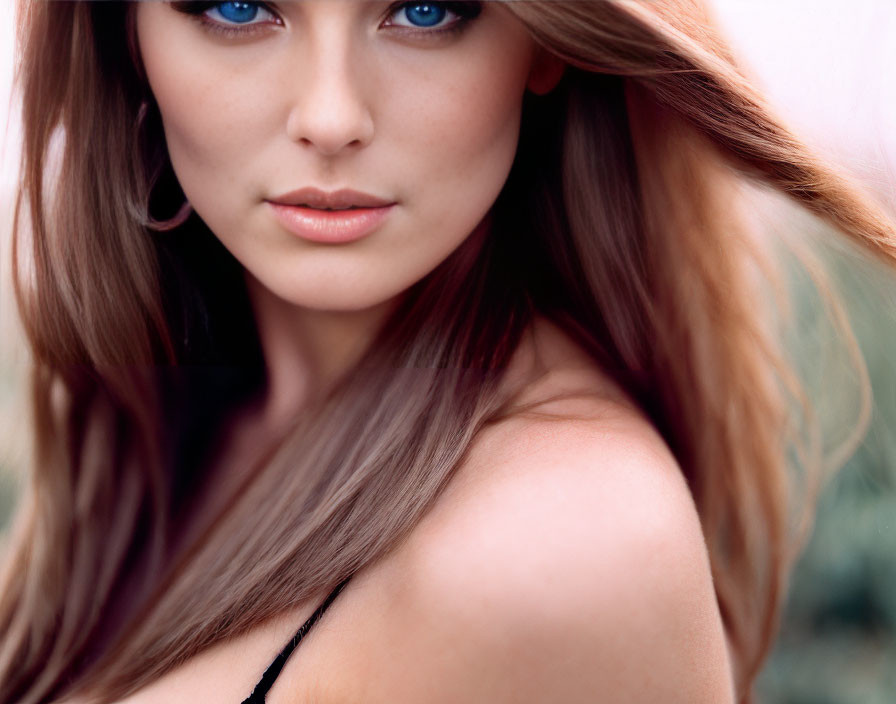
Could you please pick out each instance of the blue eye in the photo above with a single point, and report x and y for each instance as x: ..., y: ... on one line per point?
x: 426, y: 15
x: 238, y: 12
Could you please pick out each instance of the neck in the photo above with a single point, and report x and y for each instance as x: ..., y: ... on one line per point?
x: 306, y: 351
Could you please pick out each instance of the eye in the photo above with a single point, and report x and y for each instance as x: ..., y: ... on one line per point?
x: 229, y: 18
x: 239, y: 13
x: 432, y: 15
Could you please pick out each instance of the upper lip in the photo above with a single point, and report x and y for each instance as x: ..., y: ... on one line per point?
x: 343, y: 198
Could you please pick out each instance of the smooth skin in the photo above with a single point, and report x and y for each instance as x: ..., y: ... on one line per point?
x: 565, y: 562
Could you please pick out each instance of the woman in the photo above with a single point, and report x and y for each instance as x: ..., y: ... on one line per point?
x: 524, y: 394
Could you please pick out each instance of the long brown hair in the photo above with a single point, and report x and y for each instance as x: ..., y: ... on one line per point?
x: 616, y: 222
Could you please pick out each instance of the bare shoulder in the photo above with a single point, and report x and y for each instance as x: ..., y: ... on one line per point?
x: 564, y: 562
x: 567, y: 561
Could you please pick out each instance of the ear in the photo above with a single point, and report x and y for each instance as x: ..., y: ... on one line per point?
x: 546, y: 71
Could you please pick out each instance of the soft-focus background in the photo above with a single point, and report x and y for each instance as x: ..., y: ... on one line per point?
x: 830, y: 69
x: 13, y: 429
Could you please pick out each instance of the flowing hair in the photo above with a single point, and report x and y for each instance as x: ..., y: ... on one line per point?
x: 616, y: 222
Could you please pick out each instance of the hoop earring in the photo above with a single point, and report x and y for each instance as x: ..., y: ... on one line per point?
x: 172, y: 223
x: 145, y: 217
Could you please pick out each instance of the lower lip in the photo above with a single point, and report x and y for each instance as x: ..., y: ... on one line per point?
x: 329, y: 226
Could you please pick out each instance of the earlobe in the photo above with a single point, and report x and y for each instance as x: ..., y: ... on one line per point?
x: 547, y: 69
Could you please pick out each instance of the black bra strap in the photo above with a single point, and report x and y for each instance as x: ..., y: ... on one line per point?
x: 267, y: 680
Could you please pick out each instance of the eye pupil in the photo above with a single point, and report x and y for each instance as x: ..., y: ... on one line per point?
x: 238, y: 11
x: 425, y: 14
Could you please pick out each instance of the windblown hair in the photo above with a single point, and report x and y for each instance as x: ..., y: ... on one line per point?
x: 616, y: 222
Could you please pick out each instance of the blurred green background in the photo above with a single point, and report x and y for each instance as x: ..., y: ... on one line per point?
x: 838, y: 638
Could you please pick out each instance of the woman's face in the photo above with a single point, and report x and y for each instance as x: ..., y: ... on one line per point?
x: 414, y: 104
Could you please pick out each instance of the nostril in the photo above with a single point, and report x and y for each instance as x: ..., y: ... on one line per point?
x: 330, y: 123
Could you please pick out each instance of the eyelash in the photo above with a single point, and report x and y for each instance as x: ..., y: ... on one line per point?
x: 465, y: 10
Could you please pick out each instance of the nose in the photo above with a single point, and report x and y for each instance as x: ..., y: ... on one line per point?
x: 330, y: 111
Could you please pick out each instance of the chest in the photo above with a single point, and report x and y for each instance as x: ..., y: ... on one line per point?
x: 326, y: 667
x: 353, y: 647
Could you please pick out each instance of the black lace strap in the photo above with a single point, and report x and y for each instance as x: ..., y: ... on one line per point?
x: 273, y: 671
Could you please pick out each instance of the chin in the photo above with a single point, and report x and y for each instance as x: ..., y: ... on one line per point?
x: 343, y: 299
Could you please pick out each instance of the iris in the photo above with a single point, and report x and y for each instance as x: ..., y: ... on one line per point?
x: 424, y: 14
x: 238, y: 11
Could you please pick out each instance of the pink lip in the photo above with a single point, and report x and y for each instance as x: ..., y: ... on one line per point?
x: 309, y: 213
x: 329, y: 226
x: 343, y: 198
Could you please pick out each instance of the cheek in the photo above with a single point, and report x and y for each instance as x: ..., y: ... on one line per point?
x: 457, y: 123
x: 207, y: 112
x: 205, y: 149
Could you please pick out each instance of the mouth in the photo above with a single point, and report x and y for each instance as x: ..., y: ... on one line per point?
x: 330, y: 225
x: 343, y: 199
